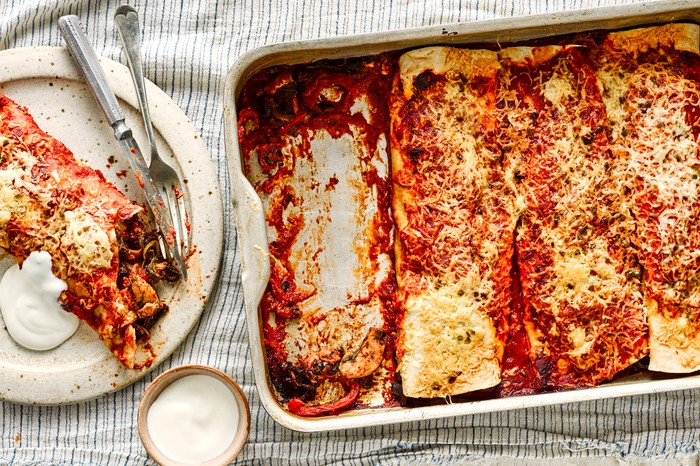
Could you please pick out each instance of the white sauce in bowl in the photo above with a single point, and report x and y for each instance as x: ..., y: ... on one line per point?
x: 29, y: 303
x: 194, y: 419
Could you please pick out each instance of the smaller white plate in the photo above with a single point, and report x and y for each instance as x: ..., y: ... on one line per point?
x: 46, y: 81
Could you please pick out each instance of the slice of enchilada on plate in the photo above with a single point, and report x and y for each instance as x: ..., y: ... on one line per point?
x: 97, y: 237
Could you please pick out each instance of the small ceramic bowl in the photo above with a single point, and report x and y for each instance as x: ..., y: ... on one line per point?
x: 170, y: 376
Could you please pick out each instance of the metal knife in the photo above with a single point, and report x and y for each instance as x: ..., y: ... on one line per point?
x: 86, y: 59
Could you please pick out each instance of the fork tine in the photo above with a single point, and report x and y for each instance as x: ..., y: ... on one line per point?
x: 167, y: 253
x: 175, y: 215
x: 163, y: 249
x: 182, y: 221
x: 169, y: 197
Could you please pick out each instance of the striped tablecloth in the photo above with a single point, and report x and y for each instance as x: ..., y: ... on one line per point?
x: 189, y: 46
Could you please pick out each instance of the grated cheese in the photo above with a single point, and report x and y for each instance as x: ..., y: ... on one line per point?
x: 557, y: 90
x: 85, y: 243
x: 582, y: 288
x: 82, y: 242
x: 448, y: 339
x: 663, y: 175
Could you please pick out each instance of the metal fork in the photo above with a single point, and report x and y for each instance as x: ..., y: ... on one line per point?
x: 164, y: 176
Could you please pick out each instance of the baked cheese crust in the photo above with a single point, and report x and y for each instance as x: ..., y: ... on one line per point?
x: 581, y: 285
x: 649, y: 78
x: 454, y: 217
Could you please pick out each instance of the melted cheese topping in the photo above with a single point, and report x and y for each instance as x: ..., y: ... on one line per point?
x: 448, y: 340
x: 664, y: 175
x: 557, y: 90
x: 587, y: 279
x: 584, y: 289
x: 613, y: 90
x: 87, y: 245
x: 15, y: 179
x: 458, y: 333
x: 83, y: 242
x: 16, y: 190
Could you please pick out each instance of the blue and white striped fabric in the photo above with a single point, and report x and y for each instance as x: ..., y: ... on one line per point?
x: 189, y: 46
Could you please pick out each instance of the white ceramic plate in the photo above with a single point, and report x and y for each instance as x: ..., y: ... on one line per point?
x: 45, y: 80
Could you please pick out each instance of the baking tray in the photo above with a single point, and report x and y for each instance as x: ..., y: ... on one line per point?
x: 251, y: 226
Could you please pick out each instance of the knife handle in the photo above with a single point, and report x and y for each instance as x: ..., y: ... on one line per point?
x: 89, y: 65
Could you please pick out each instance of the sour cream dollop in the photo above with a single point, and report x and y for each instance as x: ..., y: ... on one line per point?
x: 194, y: 419
x: 29, y: 304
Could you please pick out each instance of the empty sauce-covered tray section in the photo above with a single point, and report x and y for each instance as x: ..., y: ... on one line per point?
x: 492, y: 226
x: 315, y: 147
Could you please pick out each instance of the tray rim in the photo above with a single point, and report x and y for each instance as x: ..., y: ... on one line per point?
x: 251, y: 226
